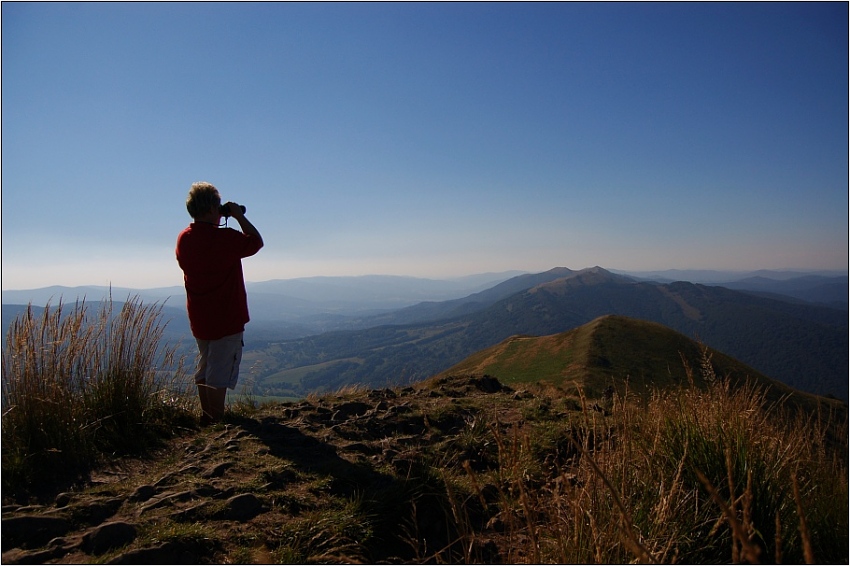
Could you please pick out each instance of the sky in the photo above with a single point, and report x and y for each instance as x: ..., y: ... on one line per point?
x: 424, y: 139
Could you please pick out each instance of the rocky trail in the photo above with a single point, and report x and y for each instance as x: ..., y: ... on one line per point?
x: 346, y: 477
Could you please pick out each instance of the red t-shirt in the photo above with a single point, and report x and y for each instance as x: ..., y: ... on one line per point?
x: 211, y: 260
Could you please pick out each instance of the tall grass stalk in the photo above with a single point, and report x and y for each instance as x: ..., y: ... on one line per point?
x: 76, y: 387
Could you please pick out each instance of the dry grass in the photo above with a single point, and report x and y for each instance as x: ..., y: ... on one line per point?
x: 77, y: 386
x: 691, y: 475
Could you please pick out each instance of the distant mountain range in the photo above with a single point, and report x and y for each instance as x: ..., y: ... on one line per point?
x: 812, y: 288
x: 802, y: 345
x: 302, y: 298
x: 827, y: 287
x: 290, y: 307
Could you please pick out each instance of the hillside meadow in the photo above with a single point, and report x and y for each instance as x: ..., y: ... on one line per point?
x: 459, y: 468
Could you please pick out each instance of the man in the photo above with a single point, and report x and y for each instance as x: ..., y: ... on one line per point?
x: 211, y: 260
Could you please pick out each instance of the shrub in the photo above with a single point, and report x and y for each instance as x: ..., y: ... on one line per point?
x: 76, y: 387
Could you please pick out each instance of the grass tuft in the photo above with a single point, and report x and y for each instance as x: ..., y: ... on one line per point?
x: 77, y: 387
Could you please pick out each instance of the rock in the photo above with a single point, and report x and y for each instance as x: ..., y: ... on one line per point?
x: 488, y: 384
x: 167, y: 479
x: 350, y: 409
x: 108, y: 536
x: 18, y: 556
x: 214, y: 492
x: 63, y: 499
x: 382, y: 393
x: 143, y: 493
x: 167, y: 498
x: 192, y: 514
x: 30, y: 509
x: 243, y: 507
x: 321, y: 414
x: 216, y: 471
x: 190, y: 469
x: 92, y: 512
x: 32, y: 531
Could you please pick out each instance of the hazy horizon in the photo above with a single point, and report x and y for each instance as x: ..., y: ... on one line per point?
x: 430, y: 140
x: 716, y: 274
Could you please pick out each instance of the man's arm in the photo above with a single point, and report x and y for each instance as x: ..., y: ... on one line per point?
x: 244, y: 223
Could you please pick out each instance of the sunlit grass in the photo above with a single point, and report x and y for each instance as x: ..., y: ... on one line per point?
x: 78, y: 386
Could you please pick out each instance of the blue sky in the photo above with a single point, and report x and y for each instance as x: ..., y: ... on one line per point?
x: 431, y: 140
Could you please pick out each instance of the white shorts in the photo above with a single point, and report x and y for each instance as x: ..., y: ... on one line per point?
x: 218, y: 361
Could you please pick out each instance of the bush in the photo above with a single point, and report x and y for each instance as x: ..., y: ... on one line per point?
x: 76, y: 387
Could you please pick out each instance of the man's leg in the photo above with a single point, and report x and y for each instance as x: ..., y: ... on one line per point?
x: 206, y: 411
x: 212, y: 402
x: 201, y: 381
x: 218, y: 369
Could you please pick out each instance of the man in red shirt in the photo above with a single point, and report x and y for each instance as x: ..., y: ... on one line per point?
x: 211, y: 260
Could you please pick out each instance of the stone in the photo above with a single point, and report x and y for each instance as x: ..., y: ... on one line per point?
x: 216, y: 471
x: 350, y: 409
x: 63, y: 499
x: 143, y: 493
x: 18, y: 556
x: 95, y: 511
x: 243, y: 507
x: 108, y: 536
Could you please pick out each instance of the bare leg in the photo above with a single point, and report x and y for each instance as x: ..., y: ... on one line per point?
x: 206, y: 415
x: 212, y: 402
x: 215, y: 398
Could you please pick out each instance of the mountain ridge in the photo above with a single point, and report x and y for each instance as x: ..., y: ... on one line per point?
x: 780, y: 282
x: 803, y: 346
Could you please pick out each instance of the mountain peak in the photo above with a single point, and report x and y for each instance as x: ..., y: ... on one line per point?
x: 584, y: 277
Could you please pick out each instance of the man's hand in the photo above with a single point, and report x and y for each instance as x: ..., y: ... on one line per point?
x: 235, y: 210
x: 244, y: 223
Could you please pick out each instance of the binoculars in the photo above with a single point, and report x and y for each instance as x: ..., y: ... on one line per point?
x: 224, y: 210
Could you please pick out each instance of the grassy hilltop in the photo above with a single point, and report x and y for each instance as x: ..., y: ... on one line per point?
x: 624, y: 353
x: 517, y: 455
